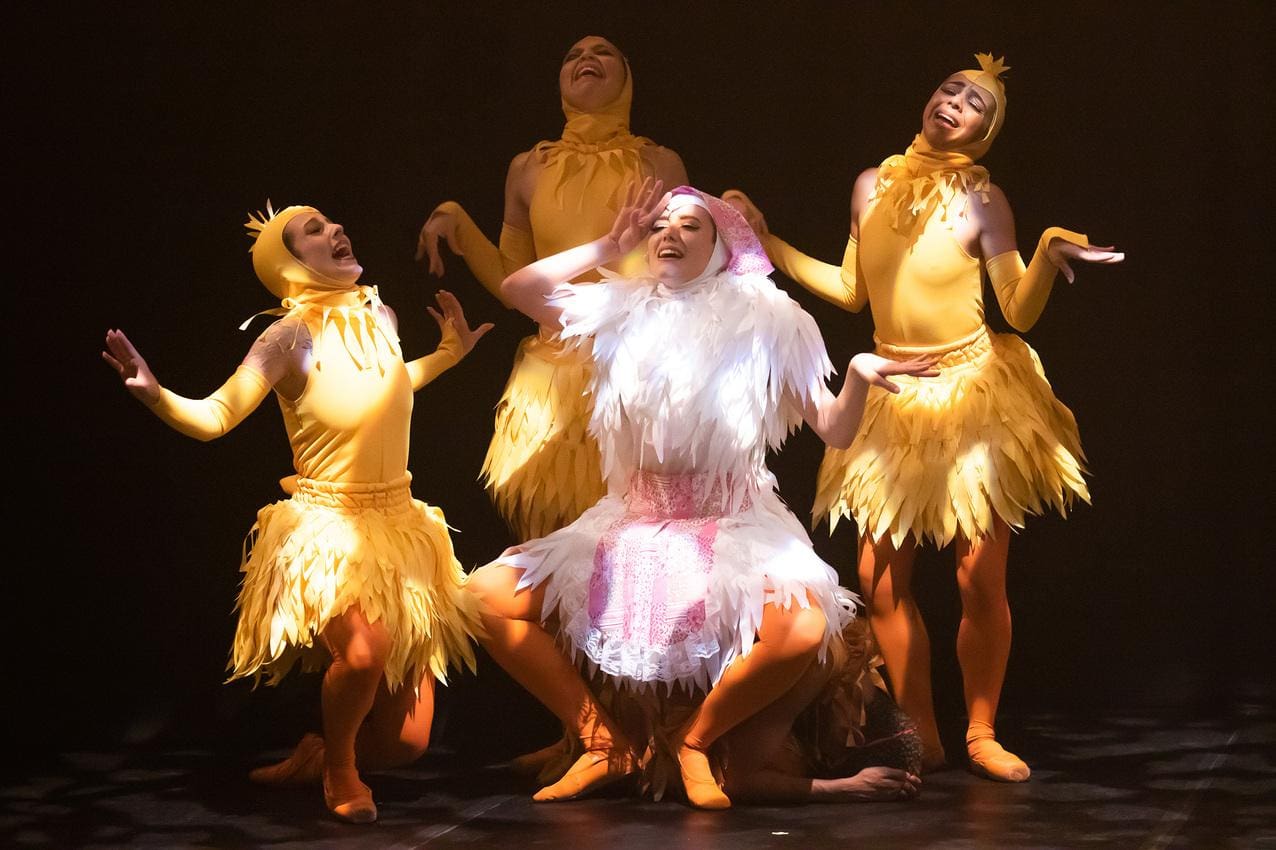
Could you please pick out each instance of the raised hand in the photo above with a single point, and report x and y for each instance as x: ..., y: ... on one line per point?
x: 137, y: 376
x: 427, y: 243
x: 873, y: 369
x: 748, y: 209
x: 1060, y: 251
x: 643, y: 205
x: 451, y: 315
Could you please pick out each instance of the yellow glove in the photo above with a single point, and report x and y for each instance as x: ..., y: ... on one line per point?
x: 488, y: 263
x: 208, y: 418
x: 835, y: 285
x: 1023, y: 292
x: 448, y: 353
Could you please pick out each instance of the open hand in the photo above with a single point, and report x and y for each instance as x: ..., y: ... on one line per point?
x: 453, y: 317
x: 643, y: 205
x: 427, y: 244
x: 873, y: 369
x: 749, y: 210
x: 1060, y: 251
x: 137, y: 376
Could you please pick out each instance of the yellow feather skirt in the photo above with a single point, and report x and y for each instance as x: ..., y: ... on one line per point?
x: 542, y: 468
x: 985, y: 438
x: 330, y: 546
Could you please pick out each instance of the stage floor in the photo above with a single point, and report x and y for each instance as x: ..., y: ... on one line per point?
x: 1128, y: 781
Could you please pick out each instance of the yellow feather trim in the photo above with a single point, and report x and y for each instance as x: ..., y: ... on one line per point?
x: 309, y: 558
x: 943, y: 457
x: 542, y: 468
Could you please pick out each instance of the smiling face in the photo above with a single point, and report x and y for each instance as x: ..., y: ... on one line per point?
x: 681, y: 244
x: 323, y: 246
x: 958, y: 114
x: 592, y: 74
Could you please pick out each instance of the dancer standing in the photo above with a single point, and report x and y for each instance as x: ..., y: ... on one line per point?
x: 351, y: 570
x: 541, y: 468
x: 690, y: 581
x: 968, y: 454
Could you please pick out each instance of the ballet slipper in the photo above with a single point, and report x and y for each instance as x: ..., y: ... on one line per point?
x: 702, y: 789
x: 531, y: 764
x: 595, y: 769
x: 348, y: 798
x: 303, y: 767
x: 989, y: 759
x: 933, y: 759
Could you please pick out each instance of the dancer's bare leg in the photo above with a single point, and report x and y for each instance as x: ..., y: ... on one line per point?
x: 886, y: 582
x: 359, y: 650
x: 517, y: 641
x: 761, y: 771
x: 395, y: 733
x: 983, y: 649
x: 788, y: 643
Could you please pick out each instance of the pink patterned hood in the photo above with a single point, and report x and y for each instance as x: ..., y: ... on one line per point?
x: 745, y: 253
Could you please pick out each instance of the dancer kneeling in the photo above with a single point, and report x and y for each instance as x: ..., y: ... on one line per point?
x: 690, y: 590
x: 351, y: 569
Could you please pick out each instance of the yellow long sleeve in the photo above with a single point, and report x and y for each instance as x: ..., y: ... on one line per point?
x: 837, y: 285
x: 425, y: 369
x: 487, y: 262
x: 1023, y: 292
x: 208, y: 418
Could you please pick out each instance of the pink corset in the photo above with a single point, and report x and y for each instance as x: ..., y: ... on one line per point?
x: 652, y: 566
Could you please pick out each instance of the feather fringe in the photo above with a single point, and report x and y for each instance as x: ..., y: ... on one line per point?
x: 943, y: 457
x: 309, y: 558
x: 542, y: 467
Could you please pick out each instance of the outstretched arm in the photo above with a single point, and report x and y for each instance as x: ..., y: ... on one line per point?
x: 836, y: 418
x: 839, y: 285
x: 529, y: 288
x: 204, y: 419
x: 1022, y: 291
x: 456, y: 342
x: 488, y: 263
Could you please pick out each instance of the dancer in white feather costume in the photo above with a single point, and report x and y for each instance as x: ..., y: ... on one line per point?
x: 690, y: 576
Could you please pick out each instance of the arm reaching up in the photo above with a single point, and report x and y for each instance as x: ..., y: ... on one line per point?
x: 457, y: 340
x: 529, y: 288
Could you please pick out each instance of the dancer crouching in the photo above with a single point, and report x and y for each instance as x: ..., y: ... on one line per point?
x: 690, y: 584
x: 351, y: 570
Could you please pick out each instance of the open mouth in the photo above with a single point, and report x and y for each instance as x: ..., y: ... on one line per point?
x: 589, y: 71
x: 945, y: 118
x: 342, y: 252
x: 669, y: 254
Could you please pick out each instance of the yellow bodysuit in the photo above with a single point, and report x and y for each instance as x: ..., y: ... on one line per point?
x: 987, y: 435
x: 351, y: 533
x: 542, y: 466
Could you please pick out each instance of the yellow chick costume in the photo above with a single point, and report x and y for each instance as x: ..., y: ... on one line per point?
x: 351, y: 533
x: 542, y: 466
x: 987, y: 436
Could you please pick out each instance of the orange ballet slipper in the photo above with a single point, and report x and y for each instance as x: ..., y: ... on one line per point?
x: 303, y: 767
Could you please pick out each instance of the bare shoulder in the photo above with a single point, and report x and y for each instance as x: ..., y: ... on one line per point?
x: 865, y: 181
x: 523, y: 169
x: 386, y: 312
x: 993, y: 209
x: 665, y: 163
x: 283, y: 335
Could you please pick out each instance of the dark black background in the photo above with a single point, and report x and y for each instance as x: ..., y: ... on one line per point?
x: 147, y: 131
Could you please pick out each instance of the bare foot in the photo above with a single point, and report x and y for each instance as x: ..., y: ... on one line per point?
x: 870, y: 784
